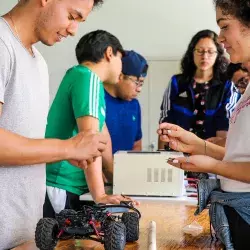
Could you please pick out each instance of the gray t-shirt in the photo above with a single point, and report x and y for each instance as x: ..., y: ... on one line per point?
x: 24, y: 92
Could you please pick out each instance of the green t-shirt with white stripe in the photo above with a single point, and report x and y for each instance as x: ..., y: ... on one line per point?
x: 80, y: 94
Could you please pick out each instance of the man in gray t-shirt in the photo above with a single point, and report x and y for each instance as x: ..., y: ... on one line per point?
x: 24, y: 102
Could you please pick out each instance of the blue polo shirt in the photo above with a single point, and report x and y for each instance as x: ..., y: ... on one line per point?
x: 123, y: 119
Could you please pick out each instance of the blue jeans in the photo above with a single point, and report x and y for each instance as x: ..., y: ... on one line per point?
x: 209, y: 191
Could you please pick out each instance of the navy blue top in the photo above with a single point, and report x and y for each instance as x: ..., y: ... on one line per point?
x: 179, y: 105
x: 123, y: 119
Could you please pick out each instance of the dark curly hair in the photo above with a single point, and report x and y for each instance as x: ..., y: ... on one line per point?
x: 237, y: 8
x: 188, y: 66
x: 93, y: 46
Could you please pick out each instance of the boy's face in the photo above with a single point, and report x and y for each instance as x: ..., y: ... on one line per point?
x: 129, y: 87
x: 115, y: 66
x: 58, y: 19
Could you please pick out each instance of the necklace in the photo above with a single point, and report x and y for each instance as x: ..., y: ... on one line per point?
x: 18, y: 37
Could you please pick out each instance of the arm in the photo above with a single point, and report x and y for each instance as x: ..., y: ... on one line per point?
x: 94, y: 171
x: 184, y: 141
x: 166, y: 114
x: 221, y: 134
x: 220, y: 141
x: 239, y: 171
x: 18, y: 150
x: 107, y: 157
x: 215, y: 151
x: 138, y: 140
x: 137, y: 145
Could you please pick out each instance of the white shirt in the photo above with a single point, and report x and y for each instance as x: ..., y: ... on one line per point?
x: 238, y: 142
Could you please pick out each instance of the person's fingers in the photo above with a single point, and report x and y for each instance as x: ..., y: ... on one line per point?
x: 175, y: 145
x: 90, y: 161
x: 159, y: 131
x: 174, y: 133
x: 114, y: 200
x: 127, y: 198
x: 164, y: 138
x: 168, y: 126
x: 83, y: 165
x: 183, y: 166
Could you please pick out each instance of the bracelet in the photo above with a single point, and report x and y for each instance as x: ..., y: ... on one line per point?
x: 205, y: 147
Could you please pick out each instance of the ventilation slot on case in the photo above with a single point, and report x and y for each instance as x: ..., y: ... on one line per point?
x: 170, y: 175
x: 149, y: 174
x: 156, y: 175
x: 163, y: 175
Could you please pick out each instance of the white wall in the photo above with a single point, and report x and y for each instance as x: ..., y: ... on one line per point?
x: 155, y: 28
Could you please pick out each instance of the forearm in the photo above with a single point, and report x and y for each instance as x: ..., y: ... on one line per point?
x: 107, y: 163
x: 214, y: 151
x: 94, y: 179
x: 203, y: 147
x: 107, y: 157
x: 137, y: 145
x: 239, y: 171
x: 18, y: 150
x: 221, y: 133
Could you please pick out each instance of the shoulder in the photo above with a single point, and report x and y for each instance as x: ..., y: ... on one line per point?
x: 135, y: 103
x: 7, y: 39
x: 81, y: 73
x: 179, y: 80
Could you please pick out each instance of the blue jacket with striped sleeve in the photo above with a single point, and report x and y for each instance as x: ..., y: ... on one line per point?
x: 178, y: 105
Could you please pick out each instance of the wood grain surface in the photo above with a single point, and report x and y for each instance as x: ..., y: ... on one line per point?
x: 170, y: 220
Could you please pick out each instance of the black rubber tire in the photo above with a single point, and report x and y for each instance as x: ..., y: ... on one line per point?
x: 114, y: 235
x: 131, y: 221
x: 45, y: 235
x: 67, y: 212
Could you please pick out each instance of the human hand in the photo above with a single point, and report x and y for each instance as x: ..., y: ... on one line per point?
x: 195, y: 163
x: 85, y: 147
x: 115, y: 199
x: 181, y: 140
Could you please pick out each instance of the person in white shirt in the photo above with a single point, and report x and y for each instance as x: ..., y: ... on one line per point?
x: 232, y: 163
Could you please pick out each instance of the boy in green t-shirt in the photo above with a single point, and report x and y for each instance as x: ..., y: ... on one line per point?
x: 79, y: 105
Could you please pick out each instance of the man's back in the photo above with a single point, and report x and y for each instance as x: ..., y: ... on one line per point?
x: 25, y: 97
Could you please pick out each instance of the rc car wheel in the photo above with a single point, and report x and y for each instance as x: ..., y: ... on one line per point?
x: 114, y: 236
x: 67, y: 212
x: 46, y: 232
x: 131, y: 221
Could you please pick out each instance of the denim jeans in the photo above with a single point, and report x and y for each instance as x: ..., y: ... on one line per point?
x: 209, y: 191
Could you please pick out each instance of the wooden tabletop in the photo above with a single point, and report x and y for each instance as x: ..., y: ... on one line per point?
x: 170, y: 220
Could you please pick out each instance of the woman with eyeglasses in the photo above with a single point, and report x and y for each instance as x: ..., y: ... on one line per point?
x: 230, y: 202
x: 199, y: 99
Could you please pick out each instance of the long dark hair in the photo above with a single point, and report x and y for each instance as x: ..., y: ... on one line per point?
x: 236, y: 8
x: 188, y: 66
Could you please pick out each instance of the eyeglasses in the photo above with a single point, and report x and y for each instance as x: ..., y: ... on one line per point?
x: 201, y: 52
x: 137, y: 83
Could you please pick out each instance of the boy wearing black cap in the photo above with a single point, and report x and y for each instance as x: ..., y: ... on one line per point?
x: 79, y: 105
x: 123, y: 113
